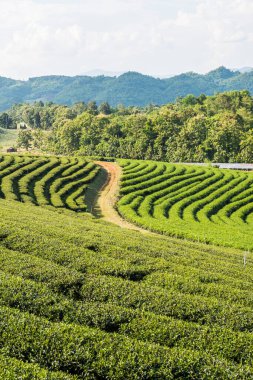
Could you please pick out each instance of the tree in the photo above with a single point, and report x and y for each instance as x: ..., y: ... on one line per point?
x: 225, y: 135
x: 246, y: 154
x: 40, y: 140
x: 37, y: 120
x: 92, y: 108
x: 6, y: 121
x: 67, y: 137
x: 189, y: 100
x: 122, y: 110
x: 25, y: 139
x: 189, y: 147
x: 79, y: 108
x: 105, y: 108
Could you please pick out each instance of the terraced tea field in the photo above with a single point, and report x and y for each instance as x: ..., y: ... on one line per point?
x: 81, y: 298
x: 199, y: 203
x: 46, y: 181
x: 84, y: 299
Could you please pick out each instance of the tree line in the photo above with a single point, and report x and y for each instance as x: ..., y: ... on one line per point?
x: 215, y: 128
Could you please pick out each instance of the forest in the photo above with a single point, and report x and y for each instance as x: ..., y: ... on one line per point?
x: 215, y: 128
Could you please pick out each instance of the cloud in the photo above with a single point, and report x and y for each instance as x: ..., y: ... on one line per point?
x: 40, y: 37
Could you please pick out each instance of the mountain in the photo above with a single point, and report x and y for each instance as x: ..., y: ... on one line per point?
x: 129, y: 88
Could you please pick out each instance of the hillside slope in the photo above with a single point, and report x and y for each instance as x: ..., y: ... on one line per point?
x: 81, y: 298
x: 93, y: 301
x: 198, y: 203
x: 129, y: 89
x: 59, y: 182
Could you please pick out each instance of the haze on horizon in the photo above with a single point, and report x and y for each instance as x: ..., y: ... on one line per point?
x: 156, y: 37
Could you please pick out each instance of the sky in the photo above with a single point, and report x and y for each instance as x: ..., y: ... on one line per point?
x: 155, y: 37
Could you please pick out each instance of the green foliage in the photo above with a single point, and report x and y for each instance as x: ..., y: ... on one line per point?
x: 105, y: 108
x: 83, y: 299
x: 90, y: 353
x: 200, y: 203
x: 194, y: 129
x: 91, y: 300
x: 13, y: 369
x: 25, y: 139
x: 46, y: 181
x: 6, y: 121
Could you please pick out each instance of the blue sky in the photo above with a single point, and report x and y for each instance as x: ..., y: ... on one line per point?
x: 156, y: 37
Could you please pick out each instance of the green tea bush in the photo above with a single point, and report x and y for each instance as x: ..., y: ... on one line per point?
x: 46, y: 181
x: 197, y: 203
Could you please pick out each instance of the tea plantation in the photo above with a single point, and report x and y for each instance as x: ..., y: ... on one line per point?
x: 84, y: 299
x: 46, y: 181
x: 194, y: 202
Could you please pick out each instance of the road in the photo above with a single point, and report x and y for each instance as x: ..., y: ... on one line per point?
x: 107, y: 197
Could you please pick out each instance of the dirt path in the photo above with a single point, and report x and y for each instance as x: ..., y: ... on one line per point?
x: 107, y: 197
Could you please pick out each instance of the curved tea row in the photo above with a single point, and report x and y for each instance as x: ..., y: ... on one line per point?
x: 46, y: 181
x: 95, y: 301
x: 201, y: 203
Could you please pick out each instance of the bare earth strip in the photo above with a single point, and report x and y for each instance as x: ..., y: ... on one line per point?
x: 107, y: 197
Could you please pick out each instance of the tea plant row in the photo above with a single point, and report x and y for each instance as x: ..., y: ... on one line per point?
x: 46, y: 181
x: 200, y: 203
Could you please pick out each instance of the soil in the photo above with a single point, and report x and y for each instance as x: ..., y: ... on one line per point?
x: 108, y: 195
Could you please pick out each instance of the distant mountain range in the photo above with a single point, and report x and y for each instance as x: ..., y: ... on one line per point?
x: 130, y: 88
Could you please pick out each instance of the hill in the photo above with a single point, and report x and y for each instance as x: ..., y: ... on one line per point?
x: 189, y: 201
x: 194, y: 202
x: 129, y: 89
x: 84, y: 299
x: 46, y: 181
